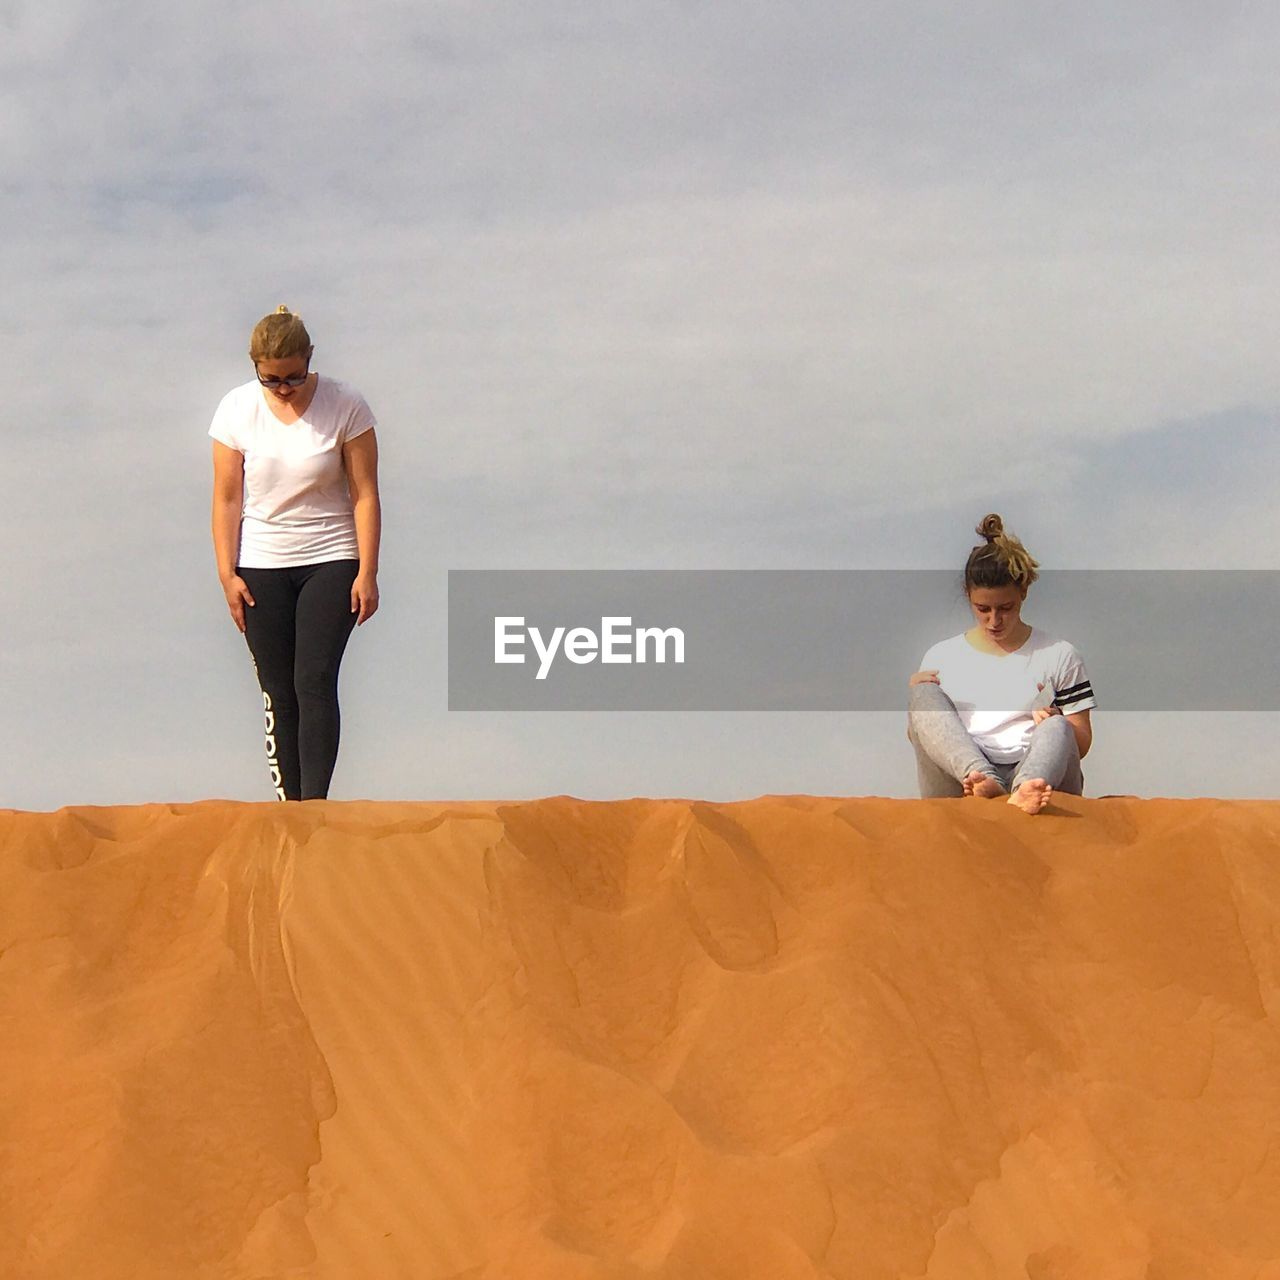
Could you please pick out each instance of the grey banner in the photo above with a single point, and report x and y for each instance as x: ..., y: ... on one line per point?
x: 842, y: 640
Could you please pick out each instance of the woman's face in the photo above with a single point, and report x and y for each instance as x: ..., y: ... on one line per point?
x: 996, y: 610
x: 284, y: 367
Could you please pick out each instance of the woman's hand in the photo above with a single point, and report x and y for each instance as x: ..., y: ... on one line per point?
x: 237, y: 592
x: 364, y: 596
x: 1043, y: 713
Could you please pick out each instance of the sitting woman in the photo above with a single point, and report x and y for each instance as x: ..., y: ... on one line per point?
x: 1003, y: 709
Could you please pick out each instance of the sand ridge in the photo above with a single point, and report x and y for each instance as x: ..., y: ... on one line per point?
x: 792, y: 1037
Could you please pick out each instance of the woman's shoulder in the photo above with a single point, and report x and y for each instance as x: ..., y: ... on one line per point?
x: 1049, y: 639
x: 236, y: 408
x: 950, y: 645
x: 1054, y: 647
x: 346, y: 411
x: 339, y: 388
x: 240, y: 396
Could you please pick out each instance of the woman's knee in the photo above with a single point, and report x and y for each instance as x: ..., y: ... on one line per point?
x: 1052, y: 726
x: 925, y: 691
x: 927, y: 699
x: 317, y: 679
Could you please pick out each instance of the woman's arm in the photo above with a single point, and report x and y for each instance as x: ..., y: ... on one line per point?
x: 228, y: 498
x: 361, y: 458
x: 1081, y: 727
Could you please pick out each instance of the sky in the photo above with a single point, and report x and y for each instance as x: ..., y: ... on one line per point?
x: 666, y: 286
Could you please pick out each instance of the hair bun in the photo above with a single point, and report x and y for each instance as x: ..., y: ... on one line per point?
x: 1004, y: 560
x: 279, y: 335
x: 990, y: 527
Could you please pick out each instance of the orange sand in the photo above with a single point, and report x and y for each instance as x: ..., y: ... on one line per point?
x: 776, y: 1040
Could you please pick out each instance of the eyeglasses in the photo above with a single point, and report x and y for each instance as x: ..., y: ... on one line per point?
x: 294, y: 380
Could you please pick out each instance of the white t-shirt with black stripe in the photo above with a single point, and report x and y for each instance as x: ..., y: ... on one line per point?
x: 297, y: 504
x: 996, y: 694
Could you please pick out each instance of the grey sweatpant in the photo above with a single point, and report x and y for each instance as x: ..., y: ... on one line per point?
x: 945, y: 752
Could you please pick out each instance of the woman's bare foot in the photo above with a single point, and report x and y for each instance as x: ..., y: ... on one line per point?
x: 981, y: 784
x: 1031, y: 796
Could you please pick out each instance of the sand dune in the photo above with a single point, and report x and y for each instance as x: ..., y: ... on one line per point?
x: 784, y: 1039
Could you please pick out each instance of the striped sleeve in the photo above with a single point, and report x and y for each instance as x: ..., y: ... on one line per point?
x: 1073, y: 688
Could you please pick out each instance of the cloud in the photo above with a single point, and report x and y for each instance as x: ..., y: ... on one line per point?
x: 679, y: 285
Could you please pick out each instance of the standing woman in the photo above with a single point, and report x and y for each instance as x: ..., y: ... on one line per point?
x: 296, y: 527
x: 1002, y: 709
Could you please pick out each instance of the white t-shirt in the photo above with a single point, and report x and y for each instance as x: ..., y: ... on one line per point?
x: 995, y: 694
x: 297, y: 505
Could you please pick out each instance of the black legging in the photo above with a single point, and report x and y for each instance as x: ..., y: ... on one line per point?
x: 296, y: 631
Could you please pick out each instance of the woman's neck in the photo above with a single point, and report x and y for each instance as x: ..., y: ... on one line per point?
x: 296, y: 405
x: 1014, y: 641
